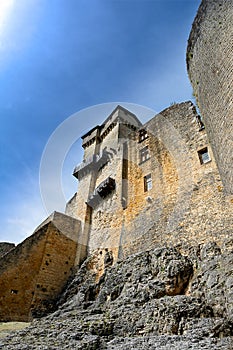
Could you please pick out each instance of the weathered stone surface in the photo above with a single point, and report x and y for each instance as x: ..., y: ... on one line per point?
x: 164, y: 298
x: 214, y: 279
x: 209, y: 62
x: 34, y: 273
x: 151, y: 300
x: 5, y: 247
x: 126, y: 217
x: 185, y: 198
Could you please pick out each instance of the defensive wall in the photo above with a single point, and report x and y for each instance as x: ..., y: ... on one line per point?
x: 5, y: 247
x: 185, y: 203
x: 210, y: 68
x: 34, y: 273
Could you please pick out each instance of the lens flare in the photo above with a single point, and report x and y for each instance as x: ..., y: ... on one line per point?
x: 6, y: 7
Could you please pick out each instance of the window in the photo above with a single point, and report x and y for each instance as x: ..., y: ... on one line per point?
x: 142, y: 135
x: 103, y: 190
x: 144, y: 154
x: 147, y: 183
x: 14, y: 291
x: 204, y: 156
x: 200, y: 122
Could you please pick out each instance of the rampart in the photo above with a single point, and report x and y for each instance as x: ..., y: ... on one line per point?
x: 34, y: 273
x: 209, y: 63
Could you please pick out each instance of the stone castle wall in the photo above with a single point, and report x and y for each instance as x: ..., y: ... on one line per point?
x: 209, y: 63
x: 33, y: 274
x: 186, y: 204
x: 104, y: 150
x: 5, y: 247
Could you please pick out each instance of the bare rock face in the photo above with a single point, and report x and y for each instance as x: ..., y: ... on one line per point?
x: 214, y: 279
x: 158, y: 299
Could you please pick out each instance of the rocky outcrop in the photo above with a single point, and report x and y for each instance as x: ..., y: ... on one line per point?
x: 158, y: 299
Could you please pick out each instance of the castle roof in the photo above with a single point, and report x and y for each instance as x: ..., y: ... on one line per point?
x: 119, y: 112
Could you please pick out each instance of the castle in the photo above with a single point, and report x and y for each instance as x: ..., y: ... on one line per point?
x: 209, y: 63
x: 167, y: 182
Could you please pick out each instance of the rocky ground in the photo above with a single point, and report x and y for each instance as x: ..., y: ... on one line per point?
x: 158, y: 299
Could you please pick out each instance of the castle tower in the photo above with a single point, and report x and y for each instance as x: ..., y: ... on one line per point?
x: 143, y: 185
x: 101, y: 195
x: 210, y: 68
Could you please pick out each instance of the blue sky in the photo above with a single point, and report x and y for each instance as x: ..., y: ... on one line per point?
x: 58, y: 57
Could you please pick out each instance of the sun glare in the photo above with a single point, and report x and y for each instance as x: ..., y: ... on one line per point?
x: 5, y: 10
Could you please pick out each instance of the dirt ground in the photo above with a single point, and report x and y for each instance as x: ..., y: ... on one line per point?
x: 7, y: 327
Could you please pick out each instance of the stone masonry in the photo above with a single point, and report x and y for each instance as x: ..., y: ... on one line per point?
x: 139, y: 186
x: 209, y: 63
x: 184, y: 197
x: 166, y: 183
x: 35, y: 272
